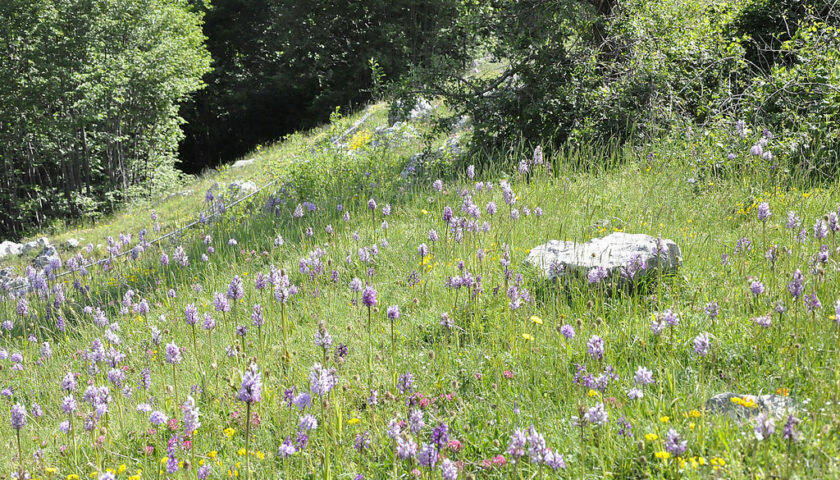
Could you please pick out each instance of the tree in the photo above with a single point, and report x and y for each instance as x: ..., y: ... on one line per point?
x: 284, y: 65
x: 88, y: 102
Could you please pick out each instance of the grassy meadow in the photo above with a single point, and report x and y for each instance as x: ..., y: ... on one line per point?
x: 353, y: 332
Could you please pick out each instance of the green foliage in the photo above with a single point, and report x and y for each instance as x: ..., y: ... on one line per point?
x: 579, y: 72
x: 802, y: 100
x: 282, y: 66
x: 487, y: 379
x: 89, y: 93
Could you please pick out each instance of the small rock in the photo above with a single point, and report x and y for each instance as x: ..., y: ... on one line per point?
x: 394, y: 136
x: 243, y: 163
x: 42, y: 242
x: 454, y: 145
x: 416, y: 163
x: 72, y: 243
x: 47, y: 255
x: 242, y: 188
x: 618, y: 253
x: 422, y: 110
x: 775, y: 405
x: 15, y: 285
x: 9, y: 248
x: 182, y: 193
x: 462, y: 123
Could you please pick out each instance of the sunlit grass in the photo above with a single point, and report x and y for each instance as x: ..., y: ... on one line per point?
x: 497, y: 370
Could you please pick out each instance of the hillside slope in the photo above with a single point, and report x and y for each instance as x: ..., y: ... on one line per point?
x: 365, y: 319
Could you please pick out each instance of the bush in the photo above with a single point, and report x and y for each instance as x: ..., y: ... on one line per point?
x: 602, y: 71
x: 282, y: 66
x: 801, y: 100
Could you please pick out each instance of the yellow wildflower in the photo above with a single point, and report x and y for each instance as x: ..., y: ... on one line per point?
x: 536, y: 319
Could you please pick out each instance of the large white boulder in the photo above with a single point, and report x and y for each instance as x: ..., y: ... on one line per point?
x: 622, y: 255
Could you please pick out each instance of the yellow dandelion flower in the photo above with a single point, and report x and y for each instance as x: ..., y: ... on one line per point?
x: 592, y: 393
x: 651, y: 437
x: 229, y: 432
x: 353, y: 421
x: 212, y: 454
x: 665, y: 419
x: 662, y: 455
x: 536, y: 319
x: 528, y: 337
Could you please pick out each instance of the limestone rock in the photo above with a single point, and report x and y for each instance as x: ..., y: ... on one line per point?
x: 394, y: 136
x: 775, y: 405
x: 11, y: 283
x: 421, y: 111
x: 623, y: 255
x: 42, y: 242
x: 242, y: 188
x: 47, y: 255
x: 243, y: 163
x: 9, y: 248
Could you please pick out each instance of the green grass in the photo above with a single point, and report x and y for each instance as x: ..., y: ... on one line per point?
x: 485, y: 378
